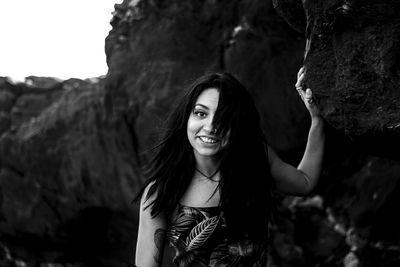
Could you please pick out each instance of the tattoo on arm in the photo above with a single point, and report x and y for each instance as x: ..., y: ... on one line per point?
x: 159, y: 235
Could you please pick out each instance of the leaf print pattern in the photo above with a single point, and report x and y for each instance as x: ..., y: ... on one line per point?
x: 201, y: 232
x: 198, y: 238
x: 184, y: 221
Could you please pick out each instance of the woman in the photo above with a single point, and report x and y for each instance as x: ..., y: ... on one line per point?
x: 207, y: 200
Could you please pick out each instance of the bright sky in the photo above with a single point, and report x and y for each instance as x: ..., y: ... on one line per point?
x: 56, y: 38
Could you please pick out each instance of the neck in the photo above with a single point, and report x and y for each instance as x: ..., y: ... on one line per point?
x: 207, y: 165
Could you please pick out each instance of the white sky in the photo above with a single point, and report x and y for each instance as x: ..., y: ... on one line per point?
x: 56, y: 38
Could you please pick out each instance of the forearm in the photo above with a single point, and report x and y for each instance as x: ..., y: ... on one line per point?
x: 311, y: 163
x: 149, y: 249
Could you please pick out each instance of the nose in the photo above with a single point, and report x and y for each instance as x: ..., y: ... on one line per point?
x: 209, y: 127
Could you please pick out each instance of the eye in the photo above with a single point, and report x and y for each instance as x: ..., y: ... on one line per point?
x: 199, y: 113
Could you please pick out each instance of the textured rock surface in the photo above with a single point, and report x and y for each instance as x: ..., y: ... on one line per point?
x: 66, y: 176
x: 156, y: 49
x: 353, y: 65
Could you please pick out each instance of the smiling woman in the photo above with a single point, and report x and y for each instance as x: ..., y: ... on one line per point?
x: 207, y: 201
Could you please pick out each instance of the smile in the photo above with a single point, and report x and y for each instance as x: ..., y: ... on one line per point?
x: 208, y: 140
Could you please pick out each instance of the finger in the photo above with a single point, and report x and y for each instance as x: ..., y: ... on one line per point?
x: 299, y: 90
x: 302, y: 94
x: 301, y: 78
x: 301, y: 70
x: 308, y: 93
x: 299, y: 81
x: 308, y: 96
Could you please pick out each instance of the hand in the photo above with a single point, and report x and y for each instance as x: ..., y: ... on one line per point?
x: 306, y: 95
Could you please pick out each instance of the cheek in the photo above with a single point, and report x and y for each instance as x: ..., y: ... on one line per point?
x: 191, y: 126
x: 190, y: 129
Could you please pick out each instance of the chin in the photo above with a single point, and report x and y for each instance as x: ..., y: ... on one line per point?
x: 205, y: 153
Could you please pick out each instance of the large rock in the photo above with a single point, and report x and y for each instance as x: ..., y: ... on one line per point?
x: 156, y: 49
x: 352, y: 57
x: 68, y: 175
x: 266, y: 55
x: 353, y: 68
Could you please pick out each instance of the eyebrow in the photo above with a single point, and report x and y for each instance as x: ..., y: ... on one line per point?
x: 201, y: 105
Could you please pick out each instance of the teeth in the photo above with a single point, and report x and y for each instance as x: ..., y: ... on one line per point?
x: 208, y: 140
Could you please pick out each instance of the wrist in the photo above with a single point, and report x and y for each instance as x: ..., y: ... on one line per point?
x: 317, y: 120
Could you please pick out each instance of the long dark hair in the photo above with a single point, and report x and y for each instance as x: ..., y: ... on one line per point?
x: 245, y: 183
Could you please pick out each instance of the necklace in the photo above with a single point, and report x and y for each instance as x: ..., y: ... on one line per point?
x: 208, y: 176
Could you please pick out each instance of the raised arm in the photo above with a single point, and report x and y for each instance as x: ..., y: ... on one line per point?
x: 302, y: 180
x: 151, y: 235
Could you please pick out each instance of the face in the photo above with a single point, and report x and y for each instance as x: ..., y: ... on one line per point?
x: 201, y: 134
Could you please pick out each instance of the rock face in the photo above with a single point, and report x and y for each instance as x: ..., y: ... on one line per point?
x: 352, y: 60
x: 66, y: 175
x: 156, y: 49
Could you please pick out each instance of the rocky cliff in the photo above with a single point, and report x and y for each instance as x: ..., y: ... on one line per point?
x: 352, y: 61
x: 66, y: 173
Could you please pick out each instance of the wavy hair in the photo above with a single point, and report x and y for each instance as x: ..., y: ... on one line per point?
x: 245, y: 183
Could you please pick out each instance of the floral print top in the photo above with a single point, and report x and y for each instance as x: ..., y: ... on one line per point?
x: 198, y: 238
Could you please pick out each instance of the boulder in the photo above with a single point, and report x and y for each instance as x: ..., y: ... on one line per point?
x: 352, y: 66
x: 68, y: 175
x: 155, y: 51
